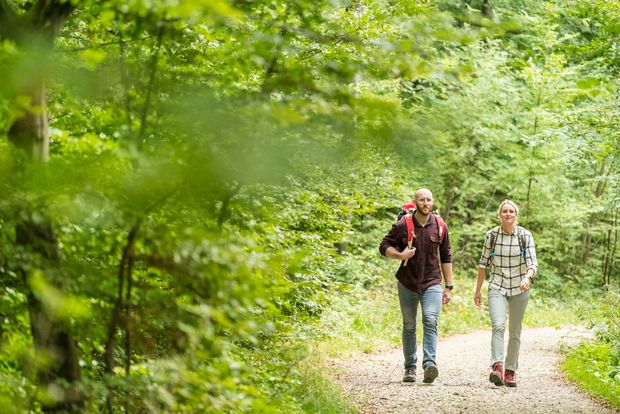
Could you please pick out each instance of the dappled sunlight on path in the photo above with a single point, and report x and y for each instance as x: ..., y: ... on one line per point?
x: 374, y: 381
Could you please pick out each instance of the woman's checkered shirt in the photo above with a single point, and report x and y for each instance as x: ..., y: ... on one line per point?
x: 508, y: 267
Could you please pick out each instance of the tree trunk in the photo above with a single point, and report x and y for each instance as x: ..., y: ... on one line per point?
x: 611, y: 243
x: 51, y: 337
x: 31, y: 132
x: 487, y: 11
x: 586, y: 237
x: 445, y: 212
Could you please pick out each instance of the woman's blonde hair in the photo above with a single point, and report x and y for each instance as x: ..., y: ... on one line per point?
x: 507, y: 201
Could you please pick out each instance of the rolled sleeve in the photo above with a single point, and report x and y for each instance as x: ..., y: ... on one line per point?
x: 530, y: 253
x: 445, y: 251
x: 485, y: 257
x: 391, y: 239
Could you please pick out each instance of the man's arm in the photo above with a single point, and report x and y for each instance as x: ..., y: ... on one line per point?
x: 446, y: 269
x: 445, y: 254
x: 406, y: 254
x: 391, y: 239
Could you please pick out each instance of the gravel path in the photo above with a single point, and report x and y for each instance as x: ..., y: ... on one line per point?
x: 374, y: 381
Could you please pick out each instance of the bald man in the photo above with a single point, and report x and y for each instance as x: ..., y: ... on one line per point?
x: 420, y: 281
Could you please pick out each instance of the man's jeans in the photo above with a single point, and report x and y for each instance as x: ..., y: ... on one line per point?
x: 430, y: 301
x: 516, y: 310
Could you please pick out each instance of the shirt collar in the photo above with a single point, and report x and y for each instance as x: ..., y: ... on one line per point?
x: 516, y: 230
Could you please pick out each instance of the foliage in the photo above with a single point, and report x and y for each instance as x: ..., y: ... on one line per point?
x: 220, y: 174
x: 595, y: 365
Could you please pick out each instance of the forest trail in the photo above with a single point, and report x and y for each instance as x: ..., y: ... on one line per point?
x: 374, y: 381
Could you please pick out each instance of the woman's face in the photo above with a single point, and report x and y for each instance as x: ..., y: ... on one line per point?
x: 508, y: 214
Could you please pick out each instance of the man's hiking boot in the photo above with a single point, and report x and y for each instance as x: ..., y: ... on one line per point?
x: 430, y: 373
x: 511, y: 378
x: 497, y: 376
x: 409, y: 375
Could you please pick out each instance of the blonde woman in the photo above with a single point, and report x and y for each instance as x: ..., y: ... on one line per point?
x: 509, y: 256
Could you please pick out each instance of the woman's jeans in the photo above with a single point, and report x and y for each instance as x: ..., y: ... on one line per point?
x: 430, y: 301
x: 516, y: 309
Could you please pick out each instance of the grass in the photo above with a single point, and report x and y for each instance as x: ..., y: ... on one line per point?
x: 360, y: 321
x: 592, y: 366
x: 595, y: 365
x: 318, y: 393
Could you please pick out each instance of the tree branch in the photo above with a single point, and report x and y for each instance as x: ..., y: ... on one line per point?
x: 124, y: 268
x: 92, y: 45
x: 151, y: 82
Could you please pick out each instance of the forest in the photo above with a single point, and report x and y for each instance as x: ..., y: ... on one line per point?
x: 192, y: 192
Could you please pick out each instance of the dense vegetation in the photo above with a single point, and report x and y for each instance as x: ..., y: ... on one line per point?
x: 191, y: 190
x: 595, y: 364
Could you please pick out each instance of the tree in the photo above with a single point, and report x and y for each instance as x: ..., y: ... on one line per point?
x: 35, y: 29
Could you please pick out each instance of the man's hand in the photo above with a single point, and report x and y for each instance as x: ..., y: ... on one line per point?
x: 447, y: 296
x: 407, y: 253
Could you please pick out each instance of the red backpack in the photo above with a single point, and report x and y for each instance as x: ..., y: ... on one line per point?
x: 407, y: 213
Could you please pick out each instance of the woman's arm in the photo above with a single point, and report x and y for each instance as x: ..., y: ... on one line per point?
x: 478, y: 295
x: 530, y: 257
x: 485, y: 260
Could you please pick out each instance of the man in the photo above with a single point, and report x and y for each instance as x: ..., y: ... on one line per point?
x: 419, y: 280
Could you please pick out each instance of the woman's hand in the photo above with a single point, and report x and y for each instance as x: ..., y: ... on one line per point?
x: 478, y: 298
x: 525, y: 284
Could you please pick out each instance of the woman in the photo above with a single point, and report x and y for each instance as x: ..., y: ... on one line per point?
x: 510, y: 254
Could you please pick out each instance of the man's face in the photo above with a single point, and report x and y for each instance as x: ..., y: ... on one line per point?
x: 424, y: 202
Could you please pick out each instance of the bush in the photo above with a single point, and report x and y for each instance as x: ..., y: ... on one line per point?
x: 595, y: 365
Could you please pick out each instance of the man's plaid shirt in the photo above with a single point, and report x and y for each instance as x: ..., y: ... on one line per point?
x: 508, y: 266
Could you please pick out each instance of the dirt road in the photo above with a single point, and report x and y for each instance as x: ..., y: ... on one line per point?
x: 374, y: 381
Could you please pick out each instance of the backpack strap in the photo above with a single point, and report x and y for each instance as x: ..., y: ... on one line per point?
x: 494, y: 234
x: 522, y: 241
x: 410, y: 227
x: 441, y: 227
x: 408, y: 218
